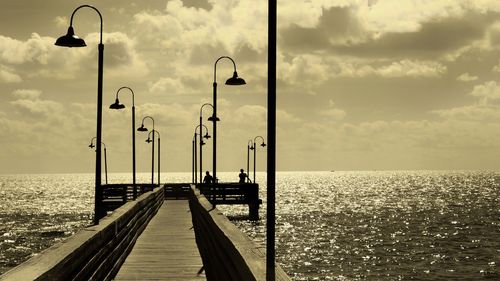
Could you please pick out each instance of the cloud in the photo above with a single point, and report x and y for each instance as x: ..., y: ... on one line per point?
x: 466, y: 77
x: 37, y: 56
x: 30, y: 94
x: 35, y: 49
x: 486, y: 108
x: 29, y: 103
x: 7, y: 76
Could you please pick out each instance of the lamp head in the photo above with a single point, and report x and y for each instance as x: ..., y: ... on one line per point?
x: 211, y: 118
x: 252, y: 147
x: 117, y: 105
x: 263, y: 144
x: 203, y: 143
x: 148, y: 140
x: 207, y: 136
x: 142, y: 128
x: 70, y: 40
x: 235, y: 80
x: 91, y: 145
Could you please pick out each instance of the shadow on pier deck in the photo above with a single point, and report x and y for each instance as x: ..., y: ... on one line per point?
x: 153, y: 239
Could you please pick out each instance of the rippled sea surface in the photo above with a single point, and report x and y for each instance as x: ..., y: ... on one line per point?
x: 415, y: 225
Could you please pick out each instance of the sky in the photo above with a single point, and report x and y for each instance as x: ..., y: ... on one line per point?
x: 362, y: 84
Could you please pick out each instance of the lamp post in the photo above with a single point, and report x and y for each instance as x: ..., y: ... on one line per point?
x: 201, y: 124
x: 234, y: 81
x: 71, y: 40
x: 249, y: 147
x: 144, y: 129
x: 195, y: 139
x: 118, y: 105
x: 105, y: 157
x: 193, y: 162
x: 263, y: 144
x: 148, y: 141
x: 195, y: 153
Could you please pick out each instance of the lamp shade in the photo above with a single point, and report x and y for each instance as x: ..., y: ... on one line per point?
x: 211, y: 118
x: 70, y: 40
x: 263, y: 144
x: 117, y: 105
x: 91, y: 145
x: 206, y: 136
x: 148, y: 140
x: 142, y: 128
x: 235, y: 80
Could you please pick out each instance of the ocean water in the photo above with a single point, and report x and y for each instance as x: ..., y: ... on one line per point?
x: 381, y: 225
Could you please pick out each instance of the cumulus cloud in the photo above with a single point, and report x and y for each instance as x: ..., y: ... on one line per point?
x: 466, y: 77
x: 314, y: 69
x: 29, y: 103
x: 37, y: 56
x: 332, y: 113
x: 27, y: 94
x: 485, y: 108
x: 7, y: 76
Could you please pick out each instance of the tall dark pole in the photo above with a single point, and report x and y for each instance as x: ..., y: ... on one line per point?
x: 158, y: 159
x: 254, y: 160
x: 201, y: 140
x: 248, y: 158
x: 153, y: 160
x: 192, y: 160
x: 271, y: 138
x: 235, y: 81
x: 133, y: 153
x: 118, y: 105
x: 70, y: 40
x: 195, y: 159
x: 201, y: 151
x: 255, y: 154
x: 105, y: 165
x: 214, y: 143
x: 99, y: 210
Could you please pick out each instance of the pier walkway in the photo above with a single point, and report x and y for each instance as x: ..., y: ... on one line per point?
x: 166, y: 250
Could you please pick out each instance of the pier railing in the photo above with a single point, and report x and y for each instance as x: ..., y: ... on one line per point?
x: 96, y: 252
x: 227, y: 253
x: 234, y: 193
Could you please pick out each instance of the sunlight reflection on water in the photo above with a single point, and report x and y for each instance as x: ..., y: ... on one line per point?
x: 423, y: 225
x: 416, y: 225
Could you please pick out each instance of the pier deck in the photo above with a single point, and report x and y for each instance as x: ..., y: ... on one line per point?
x: 166, y: 250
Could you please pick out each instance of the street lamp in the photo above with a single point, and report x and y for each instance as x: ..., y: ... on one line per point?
x: 144, y: 129
x: 249, y: 147
x: 71, y: 40
x: 118, y: 105
x: 195, y: 153
x: 152, y: 140
x: 201, y: 124
x: 263, y: 144
x: 234, y: 81
x: 105, y: 157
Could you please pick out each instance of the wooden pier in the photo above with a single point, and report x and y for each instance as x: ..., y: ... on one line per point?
x: 168, y: 233
x: 166, y: 250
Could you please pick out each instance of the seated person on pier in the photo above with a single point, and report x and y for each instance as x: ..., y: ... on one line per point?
x: 243, y: 176
x: 208, y: 178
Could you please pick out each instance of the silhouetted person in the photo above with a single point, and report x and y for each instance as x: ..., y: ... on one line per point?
x: 208, y: 178
x: 243, y: 176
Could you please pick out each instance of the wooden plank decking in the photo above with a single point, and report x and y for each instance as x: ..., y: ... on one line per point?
x: 166, y: 250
